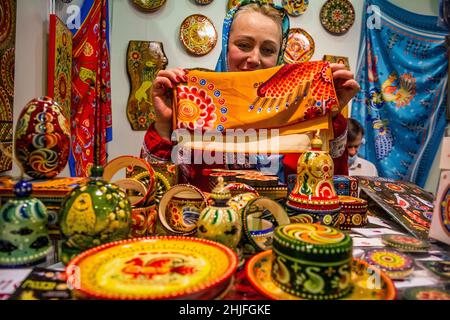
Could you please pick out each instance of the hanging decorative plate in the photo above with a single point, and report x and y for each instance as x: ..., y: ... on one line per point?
x: 154, y: 268
x: 259, y: 267
x: 198, y: 34
x: 295, y: 7
x: 203, y: 2
x: 337, y: 16
x: 233, y: 3
x: 148, y: 5
x: 300, y: 46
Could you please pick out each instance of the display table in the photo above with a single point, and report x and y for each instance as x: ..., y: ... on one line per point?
x: 241, y: 288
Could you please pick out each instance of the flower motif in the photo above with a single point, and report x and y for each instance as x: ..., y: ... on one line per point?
x: 88, y: 50
x: 195, y: 108
x: 313, y: 112
x: 299, y: 279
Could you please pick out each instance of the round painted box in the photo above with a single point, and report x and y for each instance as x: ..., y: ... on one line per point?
x: 42, y: 138
x: 396, y: 264
x: 312, y: 261
x: 353, y: 212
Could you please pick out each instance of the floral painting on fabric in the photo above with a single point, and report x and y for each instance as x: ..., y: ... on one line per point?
x: 279, y: 97
x: 402, y: 70
x: 91, y: 85
x: 7, y: 55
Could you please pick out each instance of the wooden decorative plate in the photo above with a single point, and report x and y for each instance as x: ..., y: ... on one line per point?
x: 337, y: 16
x: 233, y: 3
x: 405, y: 243
x: 258, y: 270
x: 198, y: 34
x: 148, y: 5
x: 426, y: 293
x: 154, y: 268
x: 300, y: 46
x: 295, y: 7
x: 203, y: 2
x: 396, y: 264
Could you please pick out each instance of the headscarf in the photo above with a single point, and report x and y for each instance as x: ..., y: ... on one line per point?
x: 222, y: 63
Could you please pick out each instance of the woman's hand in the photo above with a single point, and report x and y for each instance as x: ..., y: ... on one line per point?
x: 345, y: 85
x: 162, y: 98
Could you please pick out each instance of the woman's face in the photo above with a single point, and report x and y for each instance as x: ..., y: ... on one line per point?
x: 254, y: 43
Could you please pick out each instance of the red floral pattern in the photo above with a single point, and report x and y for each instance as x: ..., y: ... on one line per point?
x: 195, y: 108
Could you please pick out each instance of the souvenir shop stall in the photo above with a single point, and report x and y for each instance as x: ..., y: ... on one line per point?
x: 81, y: 217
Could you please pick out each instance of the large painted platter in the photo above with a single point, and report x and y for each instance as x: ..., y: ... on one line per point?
x: 153, y: 268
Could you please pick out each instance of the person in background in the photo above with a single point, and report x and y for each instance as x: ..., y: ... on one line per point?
x: 254, y: 37
x: 357, y: 166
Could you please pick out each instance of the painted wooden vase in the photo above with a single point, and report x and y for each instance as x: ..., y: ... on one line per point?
x: 92, y: 214
x: 220, y: 222
x: 314, y: 199
x: 144, y: 60
x: 23, y: 229
x: 42, y: 138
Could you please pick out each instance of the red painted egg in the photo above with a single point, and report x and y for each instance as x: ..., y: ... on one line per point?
x: 42, y: 138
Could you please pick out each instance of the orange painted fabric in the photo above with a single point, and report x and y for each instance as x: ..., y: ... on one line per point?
x: 295, y: 98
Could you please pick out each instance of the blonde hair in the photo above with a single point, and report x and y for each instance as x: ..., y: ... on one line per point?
x: 264, y: 9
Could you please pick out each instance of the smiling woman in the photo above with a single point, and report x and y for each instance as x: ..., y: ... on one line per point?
x: 254, y: 37
x: 256, y: 45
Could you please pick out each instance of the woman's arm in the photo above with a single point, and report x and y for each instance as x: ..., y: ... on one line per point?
x: 157, y: 144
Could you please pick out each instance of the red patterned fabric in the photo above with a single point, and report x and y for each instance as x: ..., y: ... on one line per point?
x: 90, y: 90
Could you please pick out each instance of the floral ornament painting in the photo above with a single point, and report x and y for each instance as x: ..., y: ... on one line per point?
x: 291, y: 97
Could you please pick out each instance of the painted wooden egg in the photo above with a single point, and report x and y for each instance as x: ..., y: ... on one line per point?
x: 42, y: 139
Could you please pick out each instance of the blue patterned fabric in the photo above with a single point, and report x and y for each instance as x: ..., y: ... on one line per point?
x: 402, y: 71
x: 222, y: 63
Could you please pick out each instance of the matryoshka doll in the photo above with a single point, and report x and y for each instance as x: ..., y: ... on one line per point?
x: 93, y: 214
x: 314, y: 199
x: 24, y: 237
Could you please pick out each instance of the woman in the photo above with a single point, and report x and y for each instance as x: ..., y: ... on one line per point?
x: 254, y: 37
